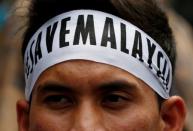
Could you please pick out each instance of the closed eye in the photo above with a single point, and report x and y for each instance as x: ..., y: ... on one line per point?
x: 115, y: 100
x: 58, y: 101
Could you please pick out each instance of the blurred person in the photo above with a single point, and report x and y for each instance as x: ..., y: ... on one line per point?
x: 3, y: 12
x: 99, y: 65
x: 10, y: 64
x: 183, y: 33
x: 184, y: 8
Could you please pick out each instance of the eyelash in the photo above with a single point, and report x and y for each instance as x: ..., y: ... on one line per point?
x: 115, y: 100
x: 115, y: 95
x: 55, y: 101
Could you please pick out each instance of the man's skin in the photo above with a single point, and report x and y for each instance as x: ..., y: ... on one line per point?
x: 88, y: 96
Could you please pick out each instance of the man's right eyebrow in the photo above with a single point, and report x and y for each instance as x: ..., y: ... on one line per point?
x: 54, y: 87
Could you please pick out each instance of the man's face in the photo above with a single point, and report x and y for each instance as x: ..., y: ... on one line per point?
x: 89, y: 96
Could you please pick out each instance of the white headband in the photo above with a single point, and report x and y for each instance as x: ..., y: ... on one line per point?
x: 99, y: 37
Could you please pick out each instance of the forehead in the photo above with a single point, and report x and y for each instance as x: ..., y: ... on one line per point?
x: 79, y: 69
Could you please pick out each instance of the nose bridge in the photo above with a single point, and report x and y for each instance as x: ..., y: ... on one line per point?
x: 89, y: 118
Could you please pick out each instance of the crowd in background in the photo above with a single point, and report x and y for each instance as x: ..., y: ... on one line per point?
x: 13, y: 22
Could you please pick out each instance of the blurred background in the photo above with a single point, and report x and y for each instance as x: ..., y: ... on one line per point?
x: 13, y: 19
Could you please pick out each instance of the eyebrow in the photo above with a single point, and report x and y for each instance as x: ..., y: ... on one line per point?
x: 54, y: 87
x: 118, y: 85
x: 112, y: 85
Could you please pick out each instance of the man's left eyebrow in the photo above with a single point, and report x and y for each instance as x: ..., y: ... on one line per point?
x: 118, y: 85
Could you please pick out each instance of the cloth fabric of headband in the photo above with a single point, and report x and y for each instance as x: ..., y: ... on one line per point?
x: 99, y: 37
